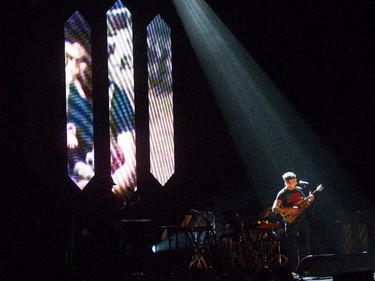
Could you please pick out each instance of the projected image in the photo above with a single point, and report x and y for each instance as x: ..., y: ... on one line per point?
x: 121, y: 98
x: 162, y: 163
x: 78, y: 82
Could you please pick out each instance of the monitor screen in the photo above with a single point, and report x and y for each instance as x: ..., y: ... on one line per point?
x: 121, y: 98
x: 160, y: 97
x: 79, y: 107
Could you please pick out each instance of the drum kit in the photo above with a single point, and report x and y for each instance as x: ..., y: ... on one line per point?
x: 253, y: 245
x: 237, y: 244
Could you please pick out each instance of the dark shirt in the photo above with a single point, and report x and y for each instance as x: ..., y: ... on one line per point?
x: 122, y: 113
x: 290, y: 197
x: 80, y: 114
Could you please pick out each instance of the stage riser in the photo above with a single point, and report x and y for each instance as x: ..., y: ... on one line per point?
x: 332, y: 265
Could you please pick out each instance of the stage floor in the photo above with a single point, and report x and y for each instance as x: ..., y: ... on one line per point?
x: 328, y: 278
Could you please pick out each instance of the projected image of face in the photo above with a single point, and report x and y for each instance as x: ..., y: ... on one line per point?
x: 121, y: 99
x: 78, y: 76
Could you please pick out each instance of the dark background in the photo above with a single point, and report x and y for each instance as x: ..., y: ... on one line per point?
x: 320, y: 54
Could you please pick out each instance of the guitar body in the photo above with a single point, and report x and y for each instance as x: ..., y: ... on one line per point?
x: 290, y: 214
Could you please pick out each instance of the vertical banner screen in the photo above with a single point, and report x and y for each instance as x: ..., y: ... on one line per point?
x: 121, y: 98
x: 160, y: 96
x: 78, y: 82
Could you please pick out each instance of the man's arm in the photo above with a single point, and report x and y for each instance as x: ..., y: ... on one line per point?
x: 276, y: 206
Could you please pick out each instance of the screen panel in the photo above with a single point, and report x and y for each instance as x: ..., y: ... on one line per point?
x: 160, y: 96
x: 121, y: 98
x: 79, y: 110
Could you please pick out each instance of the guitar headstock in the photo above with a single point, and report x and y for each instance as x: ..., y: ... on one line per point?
x: 320, y: 187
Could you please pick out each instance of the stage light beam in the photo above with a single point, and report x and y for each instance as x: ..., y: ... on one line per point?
x: 269, y: 133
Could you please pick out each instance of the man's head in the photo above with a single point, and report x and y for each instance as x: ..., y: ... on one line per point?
x: 290, y: 179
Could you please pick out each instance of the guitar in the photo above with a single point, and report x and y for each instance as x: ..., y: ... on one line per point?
x: 290, y: 214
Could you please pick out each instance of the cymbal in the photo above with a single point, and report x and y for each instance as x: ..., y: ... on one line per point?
x: 264, y: 225
x: 266, y: 213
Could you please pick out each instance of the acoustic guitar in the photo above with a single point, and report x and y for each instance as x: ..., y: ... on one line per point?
x: 290, y: 214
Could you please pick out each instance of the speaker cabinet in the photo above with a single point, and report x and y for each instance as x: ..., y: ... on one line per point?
x: 333, y: 265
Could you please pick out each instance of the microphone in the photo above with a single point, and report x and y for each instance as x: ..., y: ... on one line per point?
x: 304, y: 182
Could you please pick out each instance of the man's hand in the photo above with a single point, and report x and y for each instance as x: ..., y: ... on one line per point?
x: 71, y: 140
x: 276, y: 206
x: 311, y: 197
x: 275, y: 209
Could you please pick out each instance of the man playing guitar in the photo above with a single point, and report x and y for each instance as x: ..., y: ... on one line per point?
x: 290, y: 203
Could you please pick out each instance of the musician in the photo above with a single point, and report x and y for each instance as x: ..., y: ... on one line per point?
x: 297, y: 232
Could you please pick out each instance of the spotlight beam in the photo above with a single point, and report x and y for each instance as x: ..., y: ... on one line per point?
x: 269, y: 133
